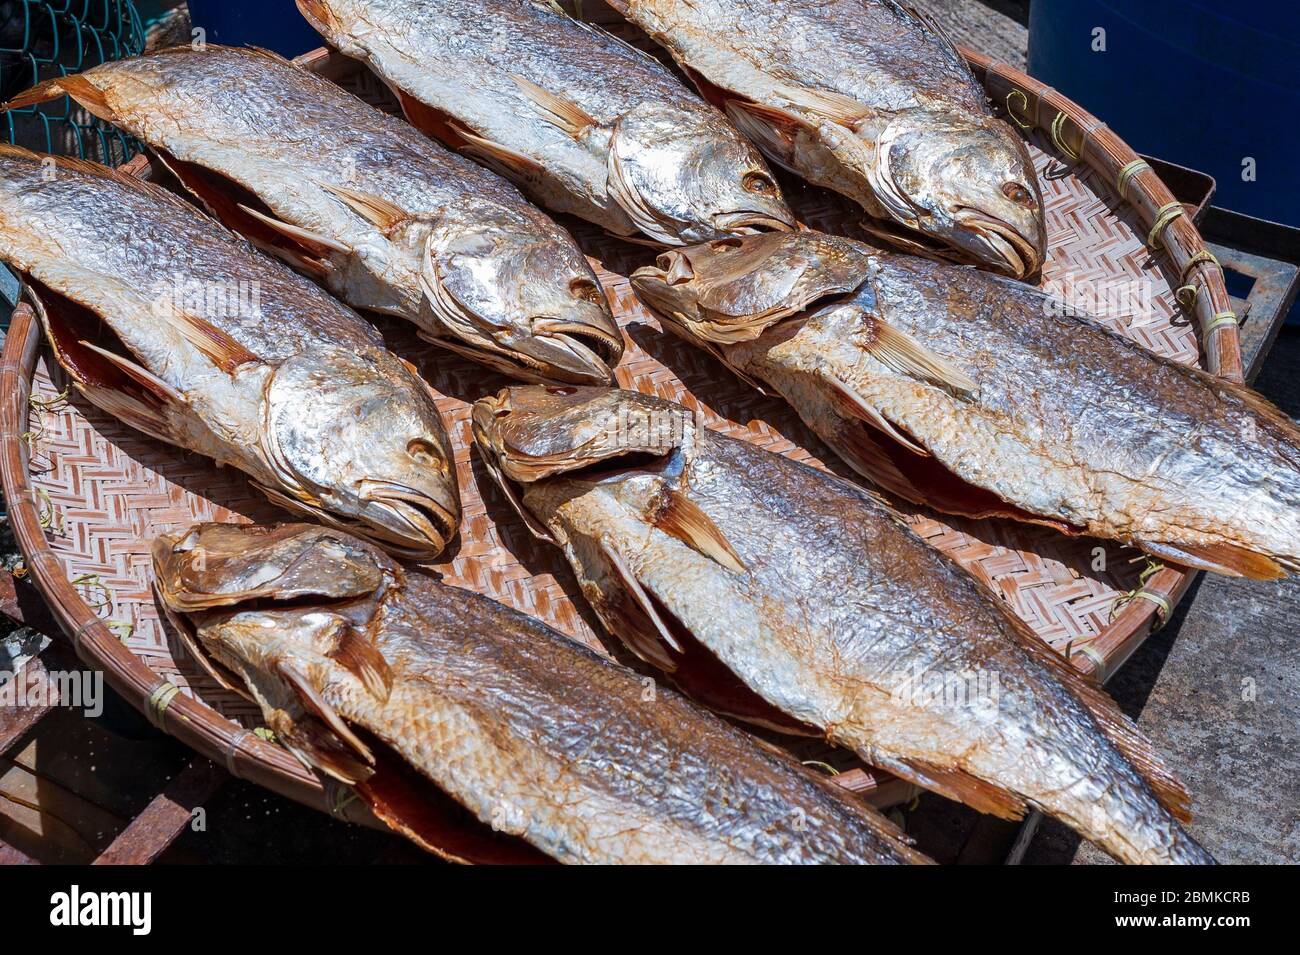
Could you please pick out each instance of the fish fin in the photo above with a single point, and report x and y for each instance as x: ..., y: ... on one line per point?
x: 643, y: 630
x: 40, y: 93
x: 226, y: 211
x: 314, y: 242
x: 86, y: 93
x: 141, y: 376
x: 836, y: 107
x: 850, y: 404
x: 363, y: 660
x: 1122, y: 732
x: 316, y: 704
x: 564, y: 114
x: 219, y: 348
x: 376, y: 210
x: 902, y: 353
x: 773, y: 130
x: 856, y: 445
x: 941, y: 36
x: 137, y: 412
x: 924, y: 479
x: 319, y: 15
x: 89, y: 167
x: 1226, y: 559
x: 318, y: 748
x: 507, y: 161
x: 955, y: 783
x: 683, y: 519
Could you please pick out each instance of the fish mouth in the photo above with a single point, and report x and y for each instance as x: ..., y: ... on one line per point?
x: 414, y: 520
x: 594, y: 351
x: 1007, y: 249
x: 751, y: 223
x: 561, y: 353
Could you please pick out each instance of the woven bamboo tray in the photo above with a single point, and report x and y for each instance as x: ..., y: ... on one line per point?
x: 87, y: 494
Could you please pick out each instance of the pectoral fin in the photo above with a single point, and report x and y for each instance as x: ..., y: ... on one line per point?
x: 222, y: 350
x: 313, y: 242
x: 376, y: 210
x: 849, y: 404
x: 560, y: 112
x: 682, y: 518
x: 359, y: 657
x: 903, y: 354
x: 316, y: 704
x: 774, y: 130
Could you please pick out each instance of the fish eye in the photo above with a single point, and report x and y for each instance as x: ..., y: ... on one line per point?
x: 758, y: 184
x: 587, y: 290
x: 723, y: 245
x: 1017, y: 193
x: 422, y: 452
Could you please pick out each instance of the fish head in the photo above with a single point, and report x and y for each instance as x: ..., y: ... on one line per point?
x: 532, y: 432
x: 967, y: 182
x: 354, y: 440
x: 222, y: 565
x: 685, y: 182
x: 521, y: 297
x: 278, y: 614
x: 254, y: 603
x: 730, y: 290
x: 545, y: 444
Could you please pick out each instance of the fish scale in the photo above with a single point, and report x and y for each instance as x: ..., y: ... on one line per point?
x: 383, y: 217
x: 583, y: 122
x: 531, y: 733
x: 167, y: 320
x: 979, y: 395
x: 870, y: 99
x: 817, y: 599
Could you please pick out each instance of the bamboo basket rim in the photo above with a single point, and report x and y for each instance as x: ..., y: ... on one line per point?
x: 247, y: 756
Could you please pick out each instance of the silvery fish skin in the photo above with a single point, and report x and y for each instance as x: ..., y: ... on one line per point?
x: 586, y: 124
x: 867, y: 98
x: 981, y: 396
x: 777, y: 592
x: 164, y: 319
x: 384, y: 218
x: 359, y: 668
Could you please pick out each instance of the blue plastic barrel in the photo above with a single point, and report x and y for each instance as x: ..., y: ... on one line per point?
x: 1210, y: 84
x: 274, y: 24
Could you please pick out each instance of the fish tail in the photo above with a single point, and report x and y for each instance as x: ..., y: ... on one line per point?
x: 81, y: 89
x: 1229, y: 559
x: 319, y: 15
x: 1121, y: 732
x: 40, y: 93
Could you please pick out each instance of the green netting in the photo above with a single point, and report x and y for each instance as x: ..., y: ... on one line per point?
x: 40, y: 39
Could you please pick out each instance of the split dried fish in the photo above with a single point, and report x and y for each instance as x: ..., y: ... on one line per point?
x: 384, y: 218
x: 585, y: 123
x: 982, y: 396
x: 166, y: 320
x: 481, y: 734
x: 870, y: 99
x: 786, y: 596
